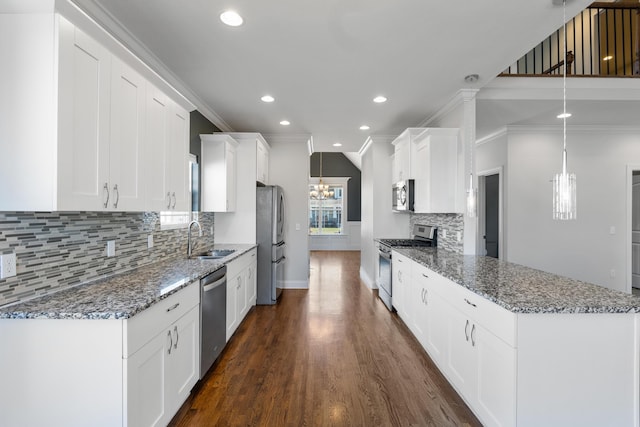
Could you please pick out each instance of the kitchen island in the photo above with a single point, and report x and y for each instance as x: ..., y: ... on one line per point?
x: 521, y: 346
x: 122, y: 350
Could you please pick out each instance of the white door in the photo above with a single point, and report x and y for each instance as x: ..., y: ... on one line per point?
x: 83, y: 118
x: 145, y: 382
x: 183, y: 367
x: 158, y: 196
x: 127, y: 138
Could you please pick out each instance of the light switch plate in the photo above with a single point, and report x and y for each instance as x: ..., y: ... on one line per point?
x: 111, y: 248
x: 7, y: 265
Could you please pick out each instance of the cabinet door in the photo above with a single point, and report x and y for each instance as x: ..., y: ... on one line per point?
x: 83, y: 118
x: 403, y: 157
x: 421, y: 176
x: 156, y: 143
x: 145, y: 383
x: 252, y: 284
x: 241, y: 299
x: 230, y: 163
x: 232, y: 305
x: 495, y: 379
x: 127, y: 138
x: 177, y: 150
x: 461, y: 364
x: 435, y: 330
x: 261, y: 162
x: 183, y: 367
x: 400, y: 282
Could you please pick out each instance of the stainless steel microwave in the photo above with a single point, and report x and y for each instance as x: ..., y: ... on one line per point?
x: 402, y: 196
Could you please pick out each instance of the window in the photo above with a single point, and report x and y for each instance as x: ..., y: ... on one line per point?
x: 327, y: 206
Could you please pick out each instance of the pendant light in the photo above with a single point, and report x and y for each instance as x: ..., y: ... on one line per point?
x: 321, y: 191
x: 564, y: 183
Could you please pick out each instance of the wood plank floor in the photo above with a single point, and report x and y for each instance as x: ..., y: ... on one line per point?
x: 332, y: 355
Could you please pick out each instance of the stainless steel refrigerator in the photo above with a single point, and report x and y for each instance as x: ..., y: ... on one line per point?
x: 271, y: 247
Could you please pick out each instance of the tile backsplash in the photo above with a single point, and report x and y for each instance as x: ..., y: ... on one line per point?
x: 56, y: 250
x: 452, y: 222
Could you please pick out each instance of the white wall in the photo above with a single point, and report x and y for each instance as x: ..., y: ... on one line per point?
x: 289, y: 168
x: 378, y: 220
x: 583, y: 249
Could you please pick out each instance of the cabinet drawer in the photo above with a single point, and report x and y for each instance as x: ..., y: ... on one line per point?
x: 243, y: 261
x: 142, y: 327
x: 498, y: 320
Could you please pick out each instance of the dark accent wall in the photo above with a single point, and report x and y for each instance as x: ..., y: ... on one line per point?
x: 337, y: 165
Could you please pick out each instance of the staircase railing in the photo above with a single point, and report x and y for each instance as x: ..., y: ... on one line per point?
x: 603, y: 41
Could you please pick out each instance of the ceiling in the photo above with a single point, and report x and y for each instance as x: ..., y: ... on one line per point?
x: 324, y: 61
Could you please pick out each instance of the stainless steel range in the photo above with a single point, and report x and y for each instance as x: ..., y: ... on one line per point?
x: 423, y: 236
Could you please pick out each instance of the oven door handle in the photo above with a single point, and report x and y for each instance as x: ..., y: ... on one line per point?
x: 385, y: 255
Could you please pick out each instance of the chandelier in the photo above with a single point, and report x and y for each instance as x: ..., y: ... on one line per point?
x: 321, y: 191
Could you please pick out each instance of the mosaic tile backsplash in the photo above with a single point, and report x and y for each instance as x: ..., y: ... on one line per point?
x: 452, y: 222
x: 57, y: 250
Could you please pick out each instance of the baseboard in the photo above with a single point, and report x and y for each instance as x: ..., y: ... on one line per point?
x: 366, y: 279
x: 296, y: 284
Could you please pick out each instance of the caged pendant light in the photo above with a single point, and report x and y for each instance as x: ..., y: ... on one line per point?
x: 564, y: 183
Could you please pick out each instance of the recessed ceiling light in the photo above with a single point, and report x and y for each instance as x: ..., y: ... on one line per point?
x: 285, y: 123
x: 268, y: 98
x: 364, y: 127
x: 231, y: 18
x: 607, y: 58
x: 564, y: 115
x: 337, y: 144
x: 379, y: 99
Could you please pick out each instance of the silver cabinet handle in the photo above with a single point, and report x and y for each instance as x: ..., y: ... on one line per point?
x: 424, y: 275
x: 170, y: 339
x: 239, y: 282
x: 470, y: 303
x: 173, y: 307
x: 117, y: 193
x: 175, y: 331
x: 174, y: 200
x: 473, y: 338
x: 425, y: 297
x: 169, y: 200
x: 105, y: 189
x: 466, y: 330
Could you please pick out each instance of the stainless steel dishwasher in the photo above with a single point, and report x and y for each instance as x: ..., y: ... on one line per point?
x: 213, y: 317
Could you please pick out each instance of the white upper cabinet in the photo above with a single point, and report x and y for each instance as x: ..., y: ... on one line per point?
x: 83, y: 121
x: 262, y: 161
x: 435, y: 170
x: 105, y: 139
x: 403, y: 165
x: 218, y: 168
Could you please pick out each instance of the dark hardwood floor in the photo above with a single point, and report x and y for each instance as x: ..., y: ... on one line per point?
x: 328, y: 356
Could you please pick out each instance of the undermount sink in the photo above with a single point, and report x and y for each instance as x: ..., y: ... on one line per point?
x: 214, y: 254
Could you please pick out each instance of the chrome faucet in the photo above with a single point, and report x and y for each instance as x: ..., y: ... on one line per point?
x: 189, y: 236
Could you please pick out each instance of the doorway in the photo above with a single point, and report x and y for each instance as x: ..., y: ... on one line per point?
x: 490, y: 213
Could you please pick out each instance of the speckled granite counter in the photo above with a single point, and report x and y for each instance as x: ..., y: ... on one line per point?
x: 121, y: 296
x: 521, y: 289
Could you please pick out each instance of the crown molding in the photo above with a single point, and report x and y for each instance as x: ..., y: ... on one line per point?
x: 462, y: 96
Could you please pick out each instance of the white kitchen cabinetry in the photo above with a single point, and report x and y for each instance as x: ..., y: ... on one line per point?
x: 88, y: 153
x: 404, y: 147
x: 262, y: 161
x: 241, y: 289
x: 435, y: 170
x: 219, y: 169
x: 129, y: 372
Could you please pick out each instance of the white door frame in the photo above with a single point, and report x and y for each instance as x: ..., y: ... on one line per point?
x: 480, y: 241
x: 628, y: 266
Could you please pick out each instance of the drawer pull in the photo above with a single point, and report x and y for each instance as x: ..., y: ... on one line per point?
x: 173, y: 307
x: 470, y: 303
x: 424, y: 275
x: 466, y: 330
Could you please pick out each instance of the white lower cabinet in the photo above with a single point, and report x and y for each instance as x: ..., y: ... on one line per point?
x: 241, y: 289
x: 401, y: 280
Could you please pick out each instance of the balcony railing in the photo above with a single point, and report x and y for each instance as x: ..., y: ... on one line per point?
x: 603, y: 41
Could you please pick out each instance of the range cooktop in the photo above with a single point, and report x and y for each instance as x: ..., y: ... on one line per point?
x: 406, y: 242
x: 424, y: 236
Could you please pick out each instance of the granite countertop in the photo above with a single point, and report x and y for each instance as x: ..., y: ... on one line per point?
x: 521, y: 289
x: 124, y: 295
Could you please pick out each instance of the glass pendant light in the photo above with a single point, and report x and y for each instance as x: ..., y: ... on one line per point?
x: 472, y: 194
x: 564, y: 183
